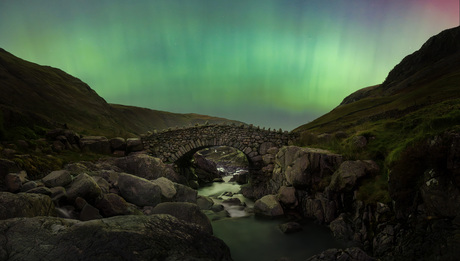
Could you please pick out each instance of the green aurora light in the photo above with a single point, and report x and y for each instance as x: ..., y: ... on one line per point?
x: 274, y: 63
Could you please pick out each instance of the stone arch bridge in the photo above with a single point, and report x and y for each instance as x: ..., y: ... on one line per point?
x: 173, y: 145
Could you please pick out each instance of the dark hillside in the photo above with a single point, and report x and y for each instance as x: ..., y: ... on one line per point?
x: 35, y: 96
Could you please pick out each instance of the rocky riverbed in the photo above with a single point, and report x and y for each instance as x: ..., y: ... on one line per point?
x: 137, y: 207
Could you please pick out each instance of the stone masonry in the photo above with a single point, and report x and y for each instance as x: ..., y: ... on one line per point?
x: 170, y: 145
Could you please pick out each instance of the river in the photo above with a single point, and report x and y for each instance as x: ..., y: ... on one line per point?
x: 254, y: 238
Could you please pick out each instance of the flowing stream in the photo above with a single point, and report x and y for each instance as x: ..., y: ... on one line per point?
x: 253, y: 238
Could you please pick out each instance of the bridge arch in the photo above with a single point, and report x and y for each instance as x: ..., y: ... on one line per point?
x: 173, y: 144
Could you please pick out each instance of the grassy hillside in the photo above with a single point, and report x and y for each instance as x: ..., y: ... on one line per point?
x: 419, y: 100
x: 35, y: 96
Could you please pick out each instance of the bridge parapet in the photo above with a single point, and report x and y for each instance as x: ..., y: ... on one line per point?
x: 172, y: 144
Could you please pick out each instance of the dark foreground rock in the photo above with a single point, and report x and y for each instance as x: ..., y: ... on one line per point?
x: 349, y: 254
x: 155, y: 237
x: 25, y: 205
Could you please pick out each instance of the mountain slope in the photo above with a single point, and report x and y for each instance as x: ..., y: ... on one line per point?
x: 32, y: 94
x: 425, y: 78
x: 407, y: 124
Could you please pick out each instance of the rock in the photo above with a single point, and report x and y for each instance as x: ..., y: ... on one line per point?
x: 25, y: 205
x: 348, y: 254
x: 23, y: 176
x: 205, y: 169
x: 233, y: 201
x: 40, y: 190
x: 268, y: 159
x: 6, y: 166
x: 117, y: 144
x: 321, y: 208
x: 58, y: 178
x: 188, y: 212
x: 342, y: 228
x: 58, y: 195
x: 70, y: 135
x: 185, y: 194
x: 217, y: 208
x: 84, y: 186
x: 440, y: 195
x: 112, y: 205
x: 290, y: 227
x: 273, y: 150
x: 89, y: 212
x: 359, y: 142
x: 304, y: 167
x: 95, y: 144
x: 147, y: 167
x: 13, y: 182
x: 133, y: 145
x: 156, y: 237
x: 204, y: 203
x: 286, y: 196
x: 139, y: 191
x: 28, y: 185
x: 168, y: 190
x: 268, y: 206
x: 241, y: 178
x: 384, y: 241
x: 344, y: 179
x: 58, y: 146
x: 102, y: 183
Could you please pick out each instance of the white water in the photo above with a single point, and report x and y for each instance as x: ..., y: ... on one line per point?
x: 251, y: 238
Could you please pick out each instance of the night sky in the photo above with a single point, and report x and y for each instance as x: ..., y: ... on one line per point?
x: 273, y: 63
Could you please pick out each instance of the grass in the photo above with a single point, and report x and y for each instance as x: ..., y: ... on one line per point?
x: 393, y: 125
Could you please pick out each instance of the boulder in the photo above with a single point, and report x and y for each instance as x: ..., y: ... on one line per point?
x: 358, y: 142
x: 112, y: 205
x: 134, y: 144
x: 6, y: 166
x: 84, y: 186
x: 25, y: 205
x: 70, y: 135
x: 185, y: 194
x: 241, y: 178
x: 441, y: 197
x: 89, y: 212
x: 156, y: 237
x: 117, y: 144
x: 290, y: 227
x: 139, y: 191
x: 205, y: 169
x: 147, y: 167
x: 13, y: 182
x: 348, y: 254
x: 342, y: 227
x: 268, y: 206
x: 57, y: 178
x: 188, y: 212
x: 95, y: 144
x: 204, y: 203
x: 168, y: 190
x: 28, y: 185
x: 346, y: 176
x: 102, y: 183
x: 304, y: 167
x: 41, y: 190
x: 286, y: 196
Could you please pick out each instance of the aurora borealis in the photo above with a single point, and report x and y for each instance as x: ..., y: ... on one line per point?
x: 273, y: 63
